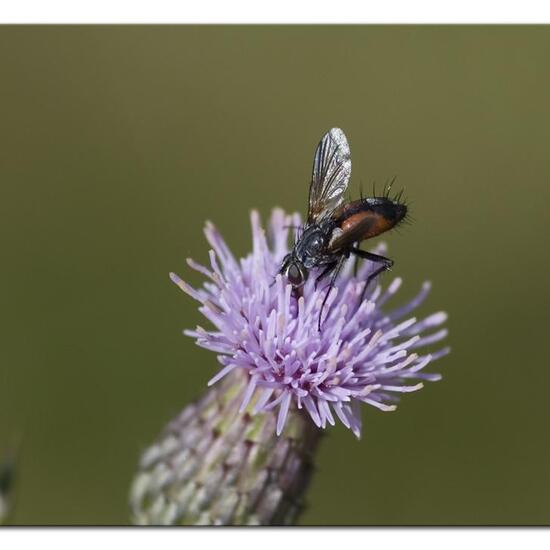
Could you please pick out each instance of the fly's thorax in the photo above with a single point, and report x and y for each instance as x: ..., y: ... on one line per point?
x: 312, y: 245
x: 309, y: 252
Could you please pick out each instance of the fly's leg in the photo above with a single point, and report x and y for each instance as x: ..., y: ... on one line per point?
x: 284, y: 265
x: 386, y: 264
x: 328, y: 268
x: 336, y: 267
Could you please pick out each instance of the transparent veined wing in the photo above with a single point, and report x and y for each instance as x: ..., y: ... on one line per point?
x: 330, y: 176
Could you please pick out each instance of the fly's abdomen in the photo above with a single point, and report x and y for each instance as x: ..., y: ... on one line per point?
x: 375, y: 215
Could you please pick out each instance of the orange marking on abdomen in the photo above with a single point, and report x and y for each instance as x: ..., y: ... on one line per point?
x: 378, y: 224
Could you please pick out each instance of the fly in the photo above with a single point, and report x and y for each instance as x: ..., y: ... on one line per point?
x: 334, y: 228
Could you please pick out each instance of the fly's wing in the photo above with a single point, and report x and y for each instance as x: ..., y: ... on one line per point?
x: 354, y: 234
x: 331, y: 174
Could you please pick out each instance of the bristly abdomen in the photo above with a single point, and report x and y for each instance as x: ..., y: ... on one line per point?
x: 384, y: 213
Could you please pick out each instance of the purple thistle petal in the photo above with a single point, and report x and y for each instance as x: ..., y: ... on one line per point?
x: 199, y: 268
x: 403, y: 389
x: 249, y: 392
x: 221, y: 374
x: 432, y: 321
x: 283, y: 411
x: 341, y: 414
x: 441, y: 353
x: 309, y: 404
x: 430, y: 339
x: 263, y: 399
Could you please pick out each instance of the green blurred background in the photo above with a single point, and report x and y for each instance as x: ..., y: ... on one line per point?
x: 117, y: 143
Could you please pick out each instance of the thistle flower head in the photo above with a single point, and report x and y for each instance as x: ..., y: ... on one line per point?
x: 262, y: 328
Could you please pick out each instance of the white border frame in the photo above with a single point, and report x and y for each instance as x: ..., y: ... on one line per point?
x: 279, y: 11
x: 274, y: 539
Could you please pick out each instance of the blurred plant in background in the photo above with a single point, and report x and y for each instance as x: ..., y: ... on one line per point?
x: 7, y: 480
x: 243, y: 454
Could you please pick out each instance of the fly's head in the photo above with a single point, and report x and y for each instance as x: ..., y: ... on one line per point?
x: 308, y: 253
x: 294, y: 270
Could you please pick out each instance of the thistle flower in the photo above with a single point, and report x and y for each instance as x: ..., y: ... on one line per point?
x: 361, y: 354
x: 243, y: 453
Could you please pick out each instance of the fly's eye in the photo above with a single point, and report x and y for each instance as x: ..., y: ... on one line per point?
x: 294, y: 275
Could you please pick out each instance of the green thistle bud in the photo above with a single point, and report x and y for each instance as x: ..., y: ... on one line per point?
x: 215, y: 465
